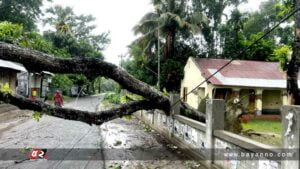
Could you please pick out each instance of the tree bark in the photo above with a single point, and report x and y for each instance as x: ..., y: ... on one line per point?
x: 35, y: 61
x: 170, y: 44
x: 189, y: 111
x: 97, y: 118
x: 293, y: 66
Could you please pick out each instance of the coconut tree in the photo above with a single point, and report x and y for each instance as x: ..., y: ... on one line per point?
x: 169, y: 18
x: 62, y: 18
x: 148, y: 28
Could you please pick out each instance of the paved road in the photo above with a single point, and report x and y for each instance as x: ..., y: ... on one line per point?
x: 108, y: 141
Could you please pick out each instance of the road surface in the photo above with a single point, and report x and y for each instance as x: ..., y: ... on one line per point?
x: 79, y: 146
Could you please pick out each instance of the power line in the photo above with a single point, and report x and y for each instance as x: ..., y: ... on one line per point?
x: 241, y: 52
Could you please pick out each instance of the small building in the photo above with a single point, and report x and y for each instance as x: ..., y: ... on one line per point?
x: 260, y: 86
x: 22, y: 82
x: 8, y: 74
x: 39, y: 84
x: 34, y: 85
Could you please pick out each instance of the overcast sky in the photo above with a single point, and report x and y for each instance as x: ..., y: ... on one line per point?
x: 119, y: 17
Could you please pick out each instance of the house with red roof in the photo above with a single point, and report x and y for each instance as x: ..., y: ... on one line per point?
x: 260, y: 86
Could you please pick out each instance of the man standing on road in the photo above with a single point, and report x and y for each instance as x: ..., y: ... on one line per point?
x: 58, y: 99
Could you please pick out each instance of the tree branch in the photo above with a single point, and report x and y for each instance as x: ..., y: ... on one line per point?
x: 96, y: 118
x: 36, y: 61
x: 191, y: 112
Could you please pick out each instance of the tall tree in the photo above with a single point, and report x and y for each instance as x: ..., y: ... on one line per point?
x: 176, y: 25
x: 169, y: 17
x: 214, y: 10
x: 269, y: 13
x: 232, y: 34
x: 22, y: 12
x: 75, y: 32
x: 293, y: 67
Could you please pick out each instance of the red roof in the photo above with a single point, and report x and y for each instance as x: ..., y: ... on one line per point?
x: 239, y: 69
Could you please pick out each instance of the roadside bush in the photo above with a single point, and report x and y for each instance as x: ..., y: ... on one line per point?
x: 5, y: 88
x: 10, y: 32
x: 114, y: 98
x: 50, y: 96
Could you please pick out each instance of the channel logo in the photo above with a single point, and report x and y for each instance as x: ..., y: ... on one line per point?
x: 38, y: 154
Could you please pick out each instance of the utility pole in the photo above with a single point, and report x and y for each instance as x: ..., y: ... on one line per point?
x: 158, y: 58
x: 158, y: 8
x: 121, y: 61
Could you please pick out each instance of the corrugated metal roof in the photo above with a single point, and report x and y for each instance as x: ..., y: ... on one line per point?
x: 243, y: 73
x: 12, y: 65
x: 48, y: 73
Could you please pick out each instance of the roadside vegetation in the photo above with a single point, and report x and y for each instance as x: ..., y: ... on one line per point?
x: 118, y: 98
x: 69, y: 36
x: 201, y: 30
x: 177, y: 32
x: 266, y: 126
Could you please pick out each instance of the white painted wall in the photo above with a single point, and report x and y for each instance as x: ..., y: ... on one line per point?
x: 192, y: 78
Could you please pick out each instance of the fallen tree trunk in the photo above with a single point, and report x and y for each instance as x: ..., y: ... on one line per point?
x: 71, y: 114
x: 191, y: 112
x: 35, y: 61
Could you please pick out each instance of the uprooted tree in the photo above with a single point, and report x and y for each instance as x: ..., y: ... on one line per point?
x: 35, y: 61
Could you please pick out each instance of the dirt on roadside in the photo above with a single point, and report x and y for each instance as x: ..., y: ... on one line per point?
x: 13, y: 118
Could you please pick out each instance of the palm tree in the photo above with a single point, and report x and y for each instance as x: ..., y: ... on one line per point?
x: 147, y: 27
x: 169, y: 18
x: 61, y: 18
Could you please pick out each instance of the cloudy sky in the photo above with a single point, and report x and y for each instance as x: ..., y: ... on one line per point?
x: 119, y: 17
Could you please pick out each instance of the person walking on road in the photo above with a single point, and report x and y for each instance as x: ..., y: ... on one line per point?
x: 58, y: 99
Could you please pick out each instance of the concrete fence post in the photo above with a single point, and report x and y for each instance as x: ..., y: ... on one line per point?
x: 290, y: 117
x: 175, y: 109
x: 215, y: 112
x: 153, y: 117
x: 175, y: 103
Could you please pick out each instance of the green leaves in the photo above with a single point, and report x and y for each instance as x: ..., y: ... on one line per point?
x: 74, y: 33
x: 114, y: 98
x: 14, y: 33
x: 4, y: 88
x: 62, y: 81
x: 37, y: 116
x: 21, y: 12
x: 10, y: 32
x: 283, y: 55
x: 261, y: 50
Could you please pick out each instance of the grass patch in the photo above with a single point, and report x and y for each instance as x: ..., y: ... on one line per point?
x: 264, y: 126
x: 115, y: 166
x: 269, y: 140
